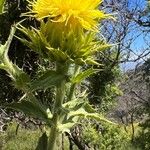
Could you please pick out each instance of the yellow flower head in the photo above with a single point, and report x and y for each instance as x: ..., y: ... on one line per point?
x: 83, y: 13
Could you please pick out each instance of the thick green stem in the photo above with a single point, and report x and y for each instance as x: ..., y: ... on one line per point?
x: 60, y: 94
x: 71, y: 93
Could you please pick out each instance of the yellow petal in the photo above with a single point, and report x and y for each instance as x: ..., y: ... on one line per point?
x: 70, y: 12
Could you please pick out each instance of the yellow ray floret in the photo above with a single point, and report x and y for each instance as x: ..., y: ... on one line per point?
x: 71, y: 12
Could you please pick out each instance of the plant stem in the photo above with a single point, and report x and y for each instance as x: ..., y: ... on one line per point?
x: 60, y: 94
x: 71, y: 93
x: 72, y: 88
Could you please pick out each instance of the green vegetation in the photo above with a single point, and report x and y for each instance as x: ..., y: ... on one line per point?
x: 107, y: 137
x: 24, y: 140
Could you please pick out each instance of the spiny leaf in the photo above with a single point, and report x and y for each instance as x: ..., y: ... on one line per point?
x: 71, y: 104
x: 88, y: 108
x: 58, y: 55
x: 50, y: 78
x: 91, y: 61
x: 78, y: 103
x: 1, y: 5
x: 105, y: 47
x: 79, y: 61
x: 4, y: 48
x: 37, y: 41
x: 81, y: 76
x: 30, y: 109
x: 83, y: 113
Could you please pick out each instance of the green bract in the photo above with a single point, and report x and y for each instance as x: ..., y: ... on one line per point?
x: 56, y: 43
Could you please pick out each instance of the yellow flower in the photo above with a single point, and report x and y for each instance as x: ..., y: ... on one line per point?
x: 83, y: 13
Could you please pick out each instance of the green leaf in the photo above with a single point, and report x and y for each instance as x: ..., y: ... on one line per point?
x: 4, y: 48
x: 88, y: 108
x: 75, y: 109
x: 36, y: 40
x: 50, y: 78
x: 57, y: 55
x: 43, y: 142
x: 21, y: 80
x: 73, y: 103
x: 79, y: 61
x: 2, y: 66
x: 1, y: 6
x: 65, y: 127
x: 83, y: 113
x: 90, y: 61
x: 81, y: 76
x: 76, y: 104
x: 105, y: 47
x: 30, y: 109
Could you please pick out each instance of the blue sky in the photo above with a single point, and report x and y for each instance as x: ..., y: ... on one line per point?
x: 141, y: 42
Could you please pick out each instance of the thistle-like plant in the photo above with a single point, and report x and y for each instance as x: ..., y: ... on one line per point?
x: 67, y: 37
